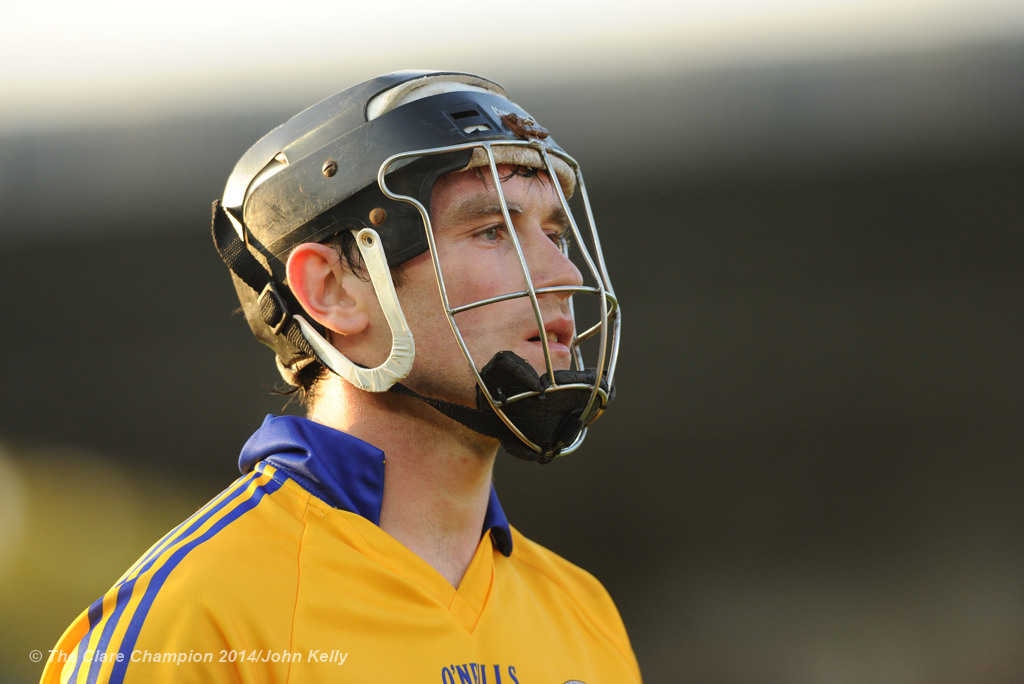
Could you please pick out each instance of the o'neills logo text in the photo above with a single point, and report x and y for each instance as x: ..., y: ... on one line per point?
x: 478, y: 673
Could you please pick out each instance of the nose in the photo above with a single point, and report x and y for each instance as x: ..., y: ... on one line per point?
x: 549, y: 266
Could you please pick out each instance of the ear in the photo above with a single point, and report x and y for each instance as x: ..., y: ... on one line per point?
x: 330, y: 294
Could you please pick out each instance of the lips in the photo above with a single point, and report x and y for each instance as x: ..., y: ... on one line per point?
x: 557, y: 331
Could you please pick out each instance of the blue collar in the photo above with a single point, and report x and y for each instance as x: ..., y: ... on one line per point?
x: 339, y: 469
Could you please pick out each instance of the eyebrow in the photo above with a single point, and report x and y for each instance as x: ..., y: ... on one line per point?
x: 484, y: 205
x: 478, y: 206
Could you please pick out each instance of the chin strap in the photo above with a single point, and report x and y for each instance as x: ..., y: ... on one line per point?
x: 403, y: 350
x: 301, y: 334
x: 551, y: 416
x: 237, y: 257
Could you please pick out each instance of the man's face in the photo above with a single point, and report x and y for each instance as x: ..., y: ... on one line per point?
x: 478, y: 260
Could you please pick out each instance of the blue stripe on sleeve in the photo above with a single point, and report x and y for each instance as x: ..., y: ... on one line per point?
x: 171, y: 537
x: 126, y: 589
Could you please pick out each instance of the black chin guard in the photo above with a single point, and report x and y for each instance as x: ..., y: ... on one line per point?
x: 551, y: 419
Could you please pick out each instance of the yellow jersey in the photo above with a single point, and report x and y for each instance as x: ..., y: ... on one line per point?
x: 287, y: 577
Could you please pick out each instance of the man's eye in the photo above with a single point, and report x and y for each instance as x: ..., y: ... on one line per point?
x: 491, y: 234
x: 560, y: 238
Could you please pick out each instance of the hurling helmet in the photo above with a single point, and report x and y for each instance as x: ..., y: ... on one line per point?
x: 364, y: 161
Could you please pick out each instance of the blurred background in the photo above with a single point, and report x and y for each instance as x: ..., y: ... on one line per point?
x: 813, y: 216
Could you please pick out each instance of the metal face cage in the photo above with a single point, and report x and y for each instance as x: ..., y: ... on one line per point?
x: 598, y: 337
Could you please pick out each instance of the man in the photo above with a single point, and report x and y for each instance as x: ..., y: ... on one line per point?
x: 404, y: 248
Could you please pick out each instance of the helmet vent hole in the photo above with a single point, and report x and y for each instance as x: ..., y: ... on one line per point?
x: 464, y: 119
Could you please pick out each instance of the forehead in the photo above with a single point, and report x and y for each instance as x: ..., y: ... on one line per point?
x: 472, y: 191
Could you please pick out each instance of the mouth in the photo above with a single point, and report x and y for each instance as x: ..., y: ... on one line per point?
x: 551, y: 337
x: 558, y: 335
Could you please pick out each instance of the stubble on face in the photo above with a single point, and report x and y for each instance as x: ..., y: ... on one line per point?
x: 478, y: 261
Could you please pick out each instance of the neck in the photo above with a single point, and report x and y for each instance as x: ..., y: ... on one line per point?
x: 437, y: 472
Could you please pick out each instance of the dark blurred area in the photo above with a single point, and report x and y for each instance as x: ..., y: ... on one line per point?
x: 812, y: 471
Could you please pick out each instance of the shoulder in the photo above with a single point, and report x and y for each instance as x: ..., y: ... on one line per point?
x: 555, y: 569
x: 573, y: 600
x: 241, y: 527
x: 559, y: 580
x: 224, y: 578
x: 242, y: 544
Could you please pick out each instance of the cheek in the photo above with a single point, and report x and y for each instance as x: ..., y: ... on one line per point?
x: 479, y: 279
x: 492, y: 328
x: 481, y: 276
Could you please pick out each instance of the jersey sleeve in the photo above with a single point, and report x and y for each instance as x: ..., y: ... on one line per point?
x: 184, y: 612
